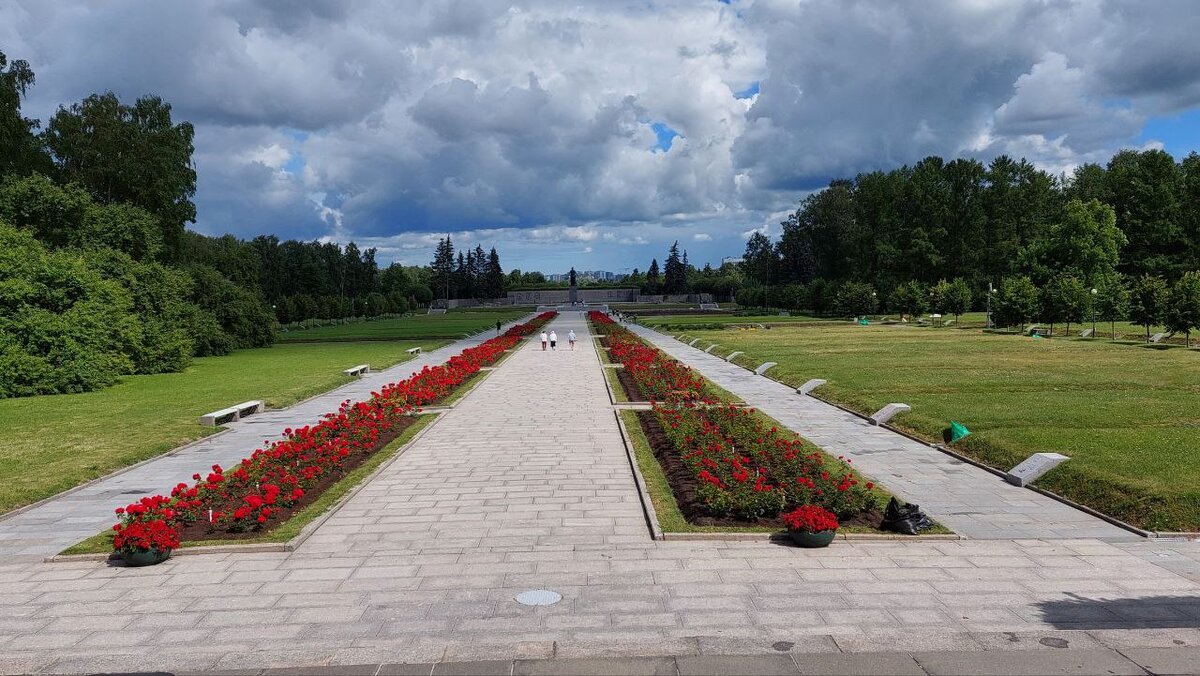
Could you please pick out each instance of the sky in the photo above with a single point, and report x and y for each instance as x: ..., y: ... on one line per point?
x: 594, y: 134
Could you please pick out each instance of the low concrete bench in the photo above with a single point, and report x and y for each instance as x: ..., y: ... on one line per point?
x: 234, y: 413
x: 414, y: 350
x: 359, y: 370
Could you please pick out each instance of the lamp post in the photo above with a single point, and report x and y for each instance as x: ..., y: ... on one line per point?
x: 1093, y: 335
x: 989, y: 305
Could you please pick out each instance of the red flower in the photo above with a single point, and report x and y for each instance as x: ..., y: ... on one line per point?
x: 811, y: 519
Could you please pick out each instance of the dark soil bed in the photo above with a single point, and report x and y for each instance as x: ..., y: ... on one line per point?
x: 684, y: 483
x: 632, y: 391
x: 203, y: 531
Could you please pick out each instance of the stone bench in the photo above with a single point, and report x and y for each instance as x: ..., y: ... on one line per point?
x: 234, y: 413
x: 414, y: 350
x: 359, y: 370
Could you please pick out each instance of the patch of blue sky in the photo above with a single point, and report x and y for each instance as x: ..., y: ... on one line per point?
x: 665, y: 136
x: 295, y: 164
x: 1179, y: 134
x: 747, y: 93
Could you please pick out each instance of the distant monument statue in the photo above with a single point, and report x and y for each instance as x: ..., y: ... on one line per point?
x: 574, y: 293
x: 572, y: 276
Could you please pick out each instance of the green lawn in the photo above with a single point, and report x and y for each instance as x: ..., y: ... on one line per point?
x: 51, y: 443
x: 1128, y: 417
x: 970, y: 320
x: 450, y: 325
x: 682, y: 322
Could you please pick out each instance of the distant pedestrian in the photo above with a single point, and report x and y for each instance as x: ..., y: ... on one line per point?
x: 497, y: 327
x: 553, y: 339
x: 571, y: 339
x: 545, y: 338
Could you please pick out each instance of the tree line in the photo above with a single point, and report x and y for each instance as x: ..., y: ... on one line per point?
x: 1033, y: 244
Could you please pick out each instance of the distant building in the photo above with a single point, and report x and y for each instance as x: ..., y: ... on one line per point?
x: 731, y: 259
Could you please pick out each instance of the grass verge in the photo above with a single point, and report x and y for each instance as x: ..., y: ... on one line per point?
x: 449, y: 325
x: 614, y: 384
x: 101, y: 543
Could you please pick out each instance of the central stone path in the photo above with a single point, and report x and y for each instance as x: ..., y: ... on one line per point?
x: 530, y: 457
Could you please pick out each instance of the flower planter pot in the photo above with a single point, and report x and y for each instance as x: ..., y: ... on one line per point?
x: 144, y: 557
x: 803, y: 538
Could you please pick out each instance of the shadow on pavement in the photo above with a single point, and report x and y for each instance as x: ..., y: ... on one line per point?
x: 1151, y: 612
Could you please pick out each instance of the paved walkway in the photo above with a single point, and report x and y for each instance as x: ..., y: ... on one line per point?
x: 49, y: 528
x: 527, y: 458
x: 973, y: 502
x: 524, y: 485
x: 1042, y: 661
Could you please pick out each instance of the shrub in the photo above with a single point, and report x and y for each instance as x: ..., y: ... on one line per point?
x: 63, y: 327
x: 241, y: 313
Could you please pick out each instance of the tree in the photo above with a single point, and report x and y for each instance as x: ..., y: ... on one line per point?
x: 1016, y: 302
x: 653, y: 284
x: 1190, y: 166
x: 952, y: 297
x: 1085, y: 244
x: 494, y: 276
x: 909, y: 299
x: 1067, y: 299
x: 442, y: 268
x: 1111, y: 301
x: 1147, y: 302
x: 1145, y: 189
x: 856, y: 299
x: 462, y: 286
x: 394, y: 279
x: 134, y: 154
x: 760, y: 259
x: 20, y: 150
x: 1183, y: 306
x: 675, y: 273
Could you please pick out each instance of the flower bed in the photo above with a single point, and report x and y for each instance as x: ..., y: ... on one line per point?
x: 725, y: 465
x: 274, y: 481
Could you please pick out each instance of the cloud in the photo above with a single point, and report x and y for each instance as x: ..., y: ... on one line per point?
x: 612, y: 126
x: 857, y: 86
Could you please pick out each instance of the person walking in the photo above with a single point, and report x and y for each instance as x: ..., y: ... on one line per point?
x: 571, y: 339
x: 544, y: 339
x: 497, y: 327
x: 553, y: 340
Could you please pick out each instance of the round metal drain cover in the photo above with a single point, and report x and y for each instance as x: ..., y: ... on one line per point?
x: 538, y: 597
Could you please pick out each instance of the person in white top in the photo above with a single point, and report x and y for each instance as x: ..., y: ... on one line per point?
x: 571, y: 338
x: 544, y: 339
x: 553, y: 339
